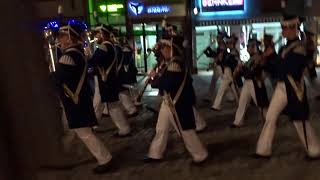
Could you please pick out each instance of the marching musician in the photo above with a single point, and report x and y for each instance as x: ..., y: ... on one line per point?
x: 175, y: 85
x: 128, y: 68
x: 104, y: 61
x: 156, y: 73
x: 290, y: 93
x: 230, y: 61
x: 75, y: 93
x: 271, y: 59
x: 217, y: 55
x: 254, y: 87
x: 124, y: 95
x: 311, y: 72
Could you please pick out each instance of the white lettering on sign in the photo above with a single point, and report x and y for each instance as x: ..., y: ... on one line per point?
x: 158, y: 9
x: 213, y: 3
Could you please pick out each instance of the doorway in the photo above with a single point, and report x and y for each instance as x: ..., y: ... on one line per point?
x: 146, y: 36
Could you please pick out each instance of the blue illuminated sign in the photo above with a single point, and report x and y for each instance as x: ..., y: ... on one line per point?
x: 138, y: 8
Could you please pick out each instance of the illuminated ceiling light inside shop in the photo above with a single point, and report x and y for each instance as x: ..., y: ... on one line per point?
x: 206, y: 28
x: 103, y: 8
x: 114, y: 7
x: 266, y: 25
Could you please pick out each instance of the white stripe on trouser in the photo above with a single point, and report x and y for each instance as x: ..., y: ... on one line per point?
x: 224, y: 86
x: 217, y: 72
x: 200, y: 122
x: 278, y: 103
x: 190, y: 138
x: 95, y: 145
x: 118, y: 117
x: 127, y: 102
x: 247, y: 93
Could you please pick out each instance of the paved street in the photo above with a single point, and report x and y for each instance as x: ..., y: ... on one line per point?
x: 229, y: 148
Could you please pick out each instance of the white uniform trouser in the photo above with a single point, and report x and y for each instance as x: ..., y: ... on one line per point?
x: 94, y: 144
x: 226, y: 81
x: 117, y: 115
x: 247, y: 93
x: 115, y: 111
x: 200, y: 122
x: 190, y: 138
x: 278, y: 103
x: 270, y: 84
x: 217, y: 72
x: 97, y: 100
x: 127, y: 102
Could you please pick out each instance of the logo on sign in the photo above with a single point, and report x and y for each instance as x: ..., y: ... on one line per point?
x: 136, y: 8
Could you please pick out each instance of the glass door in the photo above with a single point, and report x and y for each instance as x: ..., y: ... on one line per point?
x: 145, y: 38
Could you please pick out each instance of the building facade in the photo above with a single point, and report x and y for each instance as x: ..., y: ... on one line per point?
x: 246, y: 18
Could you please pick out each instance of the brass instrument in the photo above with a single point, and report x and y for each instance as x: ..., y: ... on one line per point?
x: 89, y: 42
x: 147, y: 82
x: 50, y: 38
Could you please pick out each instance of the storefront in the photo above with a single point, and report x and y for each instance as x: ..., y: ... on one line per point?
x: 244, y: 18
x: 145, y: 17
x: 108, y: 12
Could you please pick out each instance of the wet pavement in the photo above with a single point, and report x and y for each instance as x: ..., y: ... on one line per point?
x: 229, y: 149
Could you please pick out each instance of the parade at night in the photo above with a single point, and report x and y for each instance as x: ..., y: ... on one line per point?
x: 160, y: 89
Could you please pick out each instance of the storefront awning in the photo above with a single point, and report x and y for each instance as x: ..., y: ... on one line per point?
x: 239, y: 21
x: 229, y: 22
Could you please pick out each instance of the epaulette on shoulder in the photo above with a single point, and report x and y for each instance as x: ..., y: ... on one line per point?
x: 67, y: 60
x: 300, y: 49
x: 174, y: 67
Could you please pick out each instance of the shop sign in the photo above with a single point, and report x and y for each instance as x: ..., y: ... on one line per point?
x: 138, y: 8
x: 221, y: 5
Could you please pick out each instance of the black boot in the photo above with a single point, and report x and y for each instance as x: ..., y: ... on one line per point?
x: 151, y: 160
x: 258, y: 156
x: 233, y: 126
x: 104, y: 168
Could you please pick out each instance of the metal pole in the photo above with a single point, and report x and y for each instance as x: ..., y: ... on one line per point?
x: 144, y: 47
